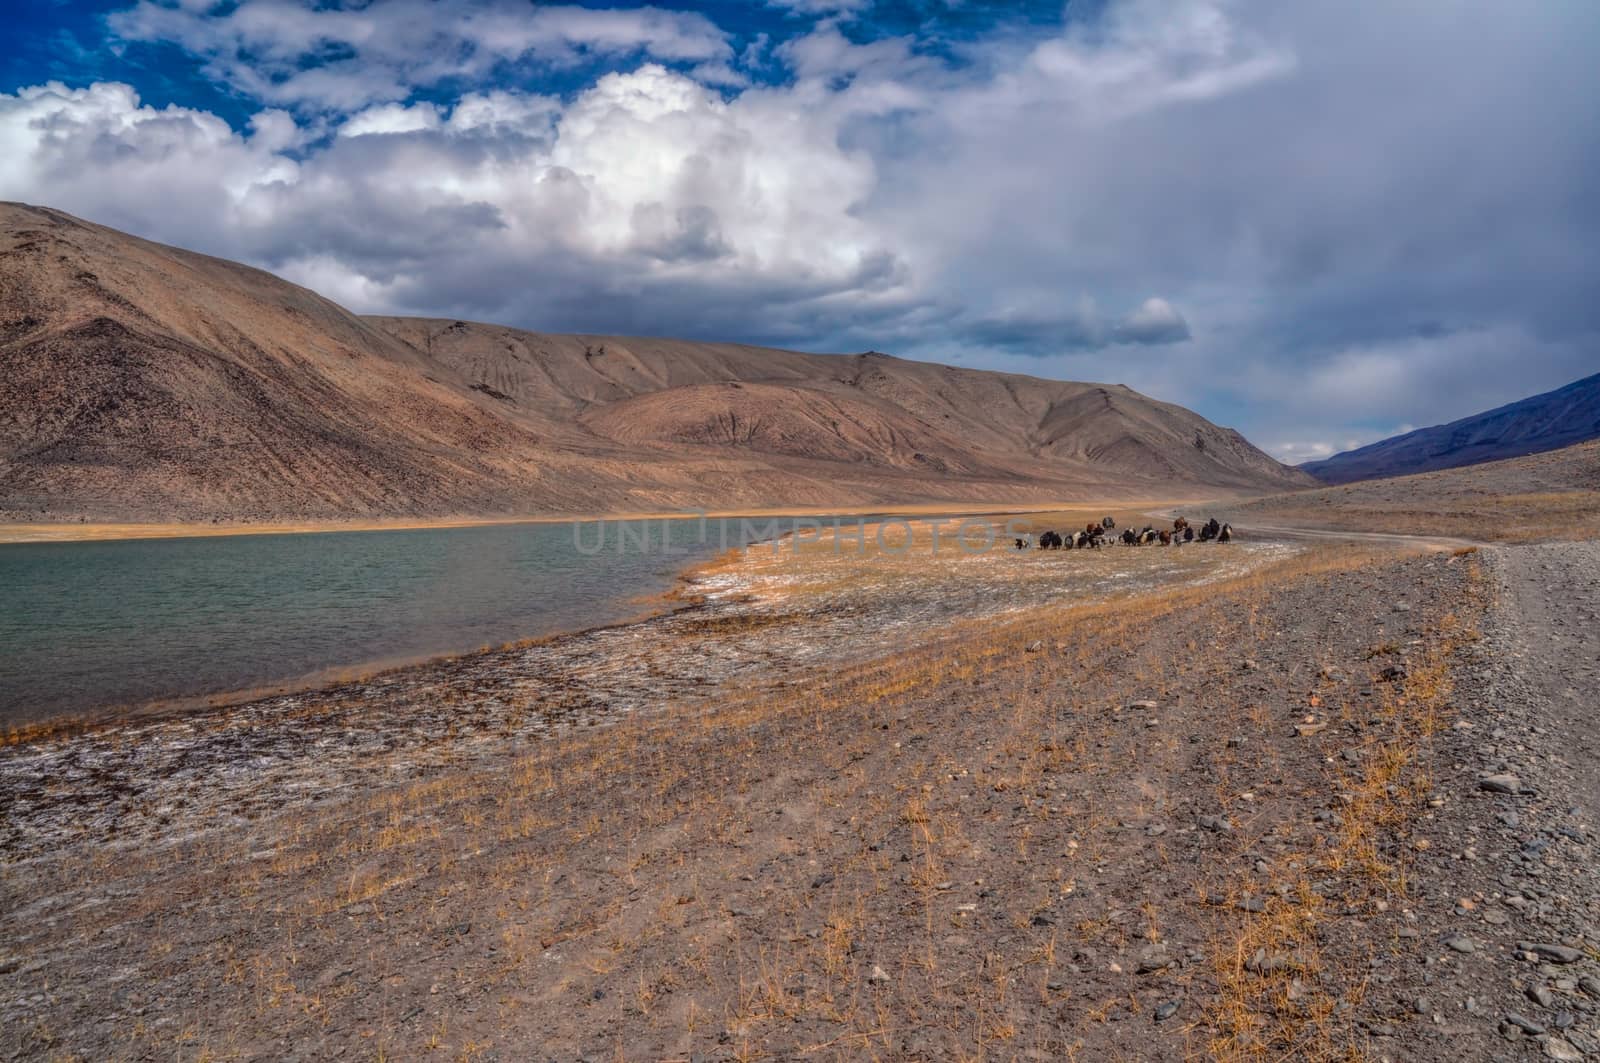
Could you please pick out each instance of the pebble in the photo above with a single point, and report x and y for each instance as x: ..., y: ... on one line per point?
x: 1154, y: 959
x: 1263, y: 962
x: 1215, y: 824
x: 1461, y: 944
x: 1556, y: 1048
x: 1167, y: 1011
x: 1541, y: 996
x: 1556, y: 953
x: 1523, y: 1023
x: 878, y: 976
x: 1500, y: 784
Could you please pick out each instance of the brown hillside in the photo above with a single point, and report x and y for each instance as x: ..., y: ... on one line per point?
x: 145, y: 382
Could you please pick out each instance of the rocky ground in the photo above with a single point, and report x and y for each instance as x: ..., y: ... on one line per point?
x: 1505, y: 962
x: 1262, y: 811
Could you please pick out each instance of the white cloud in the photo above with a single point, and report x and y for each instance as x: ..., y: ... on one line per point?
x: 506, y: 113
x: 179, y: 172
x: 649, y: 179
x: 343, y: 57
x: 392, y: 118
x: 1155, y: 321
x: 1152, y: 53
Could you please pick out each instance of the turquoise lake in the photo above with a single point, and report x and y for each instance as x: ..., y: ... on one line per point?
x: 87, y: 627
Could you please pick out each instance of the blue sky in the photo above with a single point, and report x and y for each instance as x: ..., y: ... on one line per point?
x: 1321, y: 223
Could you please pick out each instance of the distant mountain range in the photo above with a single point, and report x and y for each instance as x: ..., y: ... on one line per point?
x: 1555, y: 419
x: 145, y: 382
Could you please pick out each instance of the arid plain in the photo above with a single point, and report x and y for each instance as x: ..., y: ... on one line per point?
x: 1310, y: 794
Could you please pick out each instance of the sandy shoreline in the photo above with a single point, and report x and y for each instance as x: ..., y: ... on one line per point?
x: 105, y: 531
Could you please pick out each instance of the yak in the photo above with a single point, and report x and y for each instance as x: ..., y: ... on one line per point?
x: 1210, y: 531
x: 1166, y: 538
x: 1107, y: 523
x: 1188, y: 534
x: 1050, y: 540
x: 1129, y: 537
x: 1225, y: 534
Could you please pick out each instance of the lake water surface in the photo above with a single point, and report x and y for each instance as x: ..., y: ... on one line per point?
x: 86, y: 626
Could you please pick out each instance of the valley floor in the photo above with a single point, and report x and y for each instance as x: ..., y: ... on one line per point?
x: 1274, y: 800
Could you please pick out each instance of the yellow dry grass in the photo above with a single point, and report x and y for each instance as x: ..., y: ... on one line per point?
x: 1277, y: 997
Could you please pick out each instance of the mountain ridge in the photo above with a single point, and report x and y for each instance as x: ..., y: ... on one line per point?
x: 1550, y: 420
x: 148, y: 382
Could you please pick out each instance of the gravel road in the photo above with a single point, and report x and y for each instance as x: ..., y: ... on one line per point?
x: 1509, y: 903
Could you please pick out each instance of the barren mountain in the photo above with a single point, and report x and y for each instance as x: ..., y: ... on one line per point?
x: 1551, y: 495
x: 1554, y: 419
x: 146, y: 382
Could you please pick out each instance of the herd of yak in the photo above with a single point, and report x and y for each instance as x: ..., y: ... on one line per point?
x: 1182, y: 532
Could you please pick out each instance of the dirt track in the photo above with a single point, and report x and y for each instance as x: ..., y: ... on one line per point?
x: 1517, y: 875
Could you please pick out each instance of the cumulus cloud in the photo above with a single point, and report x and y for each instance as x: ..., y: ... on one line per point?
x: 179, y: 173
x: 1155, y: 321
x: 647, y: 187
x: 1335, y: 255
x: 391, y: 118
